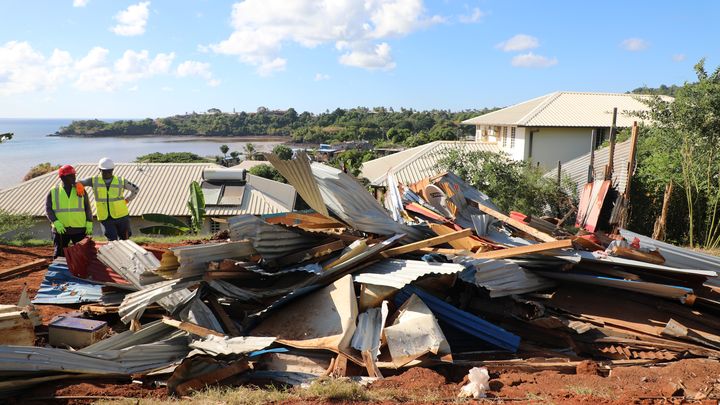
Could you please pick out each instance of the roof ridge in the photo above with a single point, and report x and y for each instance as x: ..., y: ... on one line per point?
x: 539, y: 108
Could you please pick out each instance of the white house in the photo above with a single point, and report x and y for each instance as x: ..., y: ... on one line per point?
x: 557, y: 126
x: 164, y: 189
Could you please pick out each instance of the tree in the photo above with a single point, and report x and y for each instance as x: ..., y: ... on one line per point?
x: 267, y: 172
x: 39, y: 170
x: 214, y: 111
x: 171, y: 157
x: 283, y: 152
x: 249, y: 150
x: 224, y: 150
x: 235, y: 155
x: 683, y: 146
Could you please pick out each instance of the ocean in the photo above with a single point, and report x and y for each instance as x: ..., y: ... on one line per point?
x: 31, y: 145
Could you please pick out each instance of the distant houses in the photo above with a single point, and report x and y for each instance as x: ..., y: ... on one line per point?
x: 557, y: 126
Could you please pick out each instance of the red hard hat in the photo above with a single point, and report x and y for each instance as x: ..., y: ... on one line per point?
x: 65, y: 170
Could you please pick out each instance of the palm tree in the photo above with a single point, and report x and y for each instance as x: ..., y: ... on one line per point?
x: 249, y: 151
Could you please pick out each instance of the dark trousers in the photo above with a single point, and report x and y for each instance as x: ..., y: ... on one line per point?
x: 117, y: 228
x: 61, y: 241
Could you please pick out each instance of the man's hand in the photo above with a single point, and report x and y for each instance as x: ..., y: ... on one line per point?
x: 127, y: 201
x: 88, y: 228
x: 59, y: 227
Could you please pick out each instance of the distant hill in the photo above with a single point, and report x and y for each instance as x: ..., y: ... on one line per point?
x: 663, y: 90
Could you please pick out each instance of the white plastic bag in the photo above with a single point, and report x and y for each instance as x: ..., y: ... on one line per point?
x: 479, y: 383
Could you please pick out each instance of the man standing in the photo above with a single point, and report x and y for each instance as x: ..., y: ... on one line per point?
x: 111, y: 205
x: 68, y: 209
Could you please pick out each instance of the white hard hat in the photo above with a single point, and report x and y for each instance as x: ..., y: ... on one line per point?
x: 106, y: 164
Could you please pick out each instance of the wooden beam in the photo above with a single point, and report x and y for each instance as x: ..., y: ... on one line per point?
x: 307, y: 254
x: 33, y: 265
x: 524, y: 250
x: 517, y: 224
x: 438, y: 240
x: 227, y: 322
x: 468, y: 243
x: 191, y: 327
x: 370, y: 366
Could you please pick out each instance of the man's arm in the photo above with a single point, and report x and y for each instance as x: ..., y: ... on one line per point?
x: 88, y: 209
x: 49, y: 212
x: 132, y: 188
x: 86, y: 182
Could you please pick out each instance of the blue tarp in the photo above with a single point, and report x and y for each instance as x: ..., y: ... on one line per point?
x: 461, y: 320
x: 61, y: 287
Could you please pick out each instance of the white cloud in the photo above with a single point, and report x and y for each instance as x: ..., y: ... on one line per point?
x: 530, y: 60
x: 132, y: 21
x: 80, y: 3
x: 475, y: 16
x: 634, y: 44
x: 24, y: 69
x: 200, y: 69
x: 678, y: 57
x: 378, y: 58
x: 262, y: 27
x: 519, y: 42
x: 321, y: 76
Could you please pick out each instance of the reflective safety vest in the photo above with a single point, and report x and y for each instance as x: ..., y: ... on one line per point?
x: 109, y: 199
x: 69, y: 209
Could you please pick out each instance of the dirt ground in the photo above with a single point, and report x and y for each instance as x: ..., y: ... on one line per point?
x: 695, y: 379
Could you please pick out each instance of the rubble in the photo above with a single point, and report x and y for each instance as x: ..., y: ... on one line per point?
x: 442, y: 277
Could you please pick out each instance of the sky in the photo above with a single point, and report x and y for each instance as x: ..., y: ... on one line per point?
x: 137, y: 59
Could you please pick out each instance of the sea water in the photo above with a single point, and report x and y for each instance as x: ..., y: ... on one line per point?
x: 30, y: 146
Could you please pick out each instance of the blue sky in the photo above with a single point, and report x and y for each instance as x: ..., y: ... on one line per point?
x: 115, y: 59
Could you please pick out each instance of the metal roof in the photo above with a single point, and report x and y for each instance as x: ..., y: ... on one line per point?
x: 577, y: 169
x: 415, y: 164
x: 163, y: 190
x: 60, y: 287
x: 568, y: 109
x: 398, y: 273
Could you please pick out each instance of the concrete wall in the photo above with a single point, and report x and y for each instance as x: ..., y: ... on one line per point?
x: 552, y: 144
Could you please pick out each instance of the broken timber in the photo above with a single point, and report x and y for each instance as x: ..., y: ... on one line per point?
x: 426, y: 243
x: 517, y: 224
x: 523, y: 250
x: 33, y: 265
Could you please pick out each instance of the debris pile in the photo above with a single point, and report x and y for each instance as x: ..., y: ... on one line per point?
x: 438, y: 276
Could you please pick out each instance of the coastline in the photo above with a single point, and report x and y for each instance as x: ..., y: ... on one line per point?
x: 249, y: 138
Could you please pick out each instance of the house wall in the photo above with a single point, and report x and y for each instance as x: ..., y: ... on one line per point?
x: 552, y: 144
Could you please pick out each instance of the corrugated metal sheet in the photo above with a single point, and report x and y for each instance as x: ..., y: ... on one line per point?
x: 134, y: 304
x: 297, y: 172
x: 568, y: 109
x: 217, y: 346
x: 164, y: 189
x: 60, y: 287
x: 577, y: 169
x: 622, y: 262
x: 369, y: 329
x: 410, y: 168
x: 660, y: 290
x: 268, y: 239
x: 461, y: 320
x: 503, y: 277
x: 398, y: 273
x: 355, y: 206
x: 131, y: 261
x: 194, y: 259
x: 676, y: 256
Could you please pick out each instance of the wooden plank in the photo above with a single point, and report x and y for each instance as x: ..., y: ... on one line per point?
x: 227, y: 322
x: 340, y: 369
x: 628, y: 253
x: 467, y: 243
x: 517, y: 224
x: 524, y: 250
x: 588, y: 245
x: 370, y: 366
x: 425, y: 243
x: 212, y: 377
x: 191, y: 327
x: 445, y: 251
x: 33, y: 265
x: 307, y: 254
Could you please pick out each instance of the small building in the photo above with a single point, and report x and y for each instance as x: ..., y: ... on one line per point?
x: 414, y: 164
x: 164, y: 189
x: 557, y: 126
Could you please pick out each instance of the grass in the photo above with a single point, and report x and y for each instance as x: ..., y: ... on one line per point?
x: 324, y: 389
x: 27, y: 242
x: 141, y: 240
x: 587, y: 391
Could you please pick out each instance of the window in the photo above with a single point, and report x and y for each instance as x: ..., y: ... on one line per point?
x: 512, y: 137
x: 504, y: 136
x: 214, y: 226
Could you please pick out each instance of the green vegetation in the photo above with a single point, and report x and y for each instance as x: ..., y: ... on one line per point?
x: 407, y: 126
x: 512, y: 185
x: 283, y: 152
x: 171, y: 226
x: 351, y: 160
x: 39, y: 170
x: 15, y: 227
x: 268, y: 172
x: 663, y: 90
x: 683, y: 147
x: 171, y: 157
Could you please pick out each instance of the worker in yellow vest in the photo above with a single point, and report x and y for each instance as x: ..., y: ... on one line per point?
x: 111, y: 204
x: 68, y: 209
